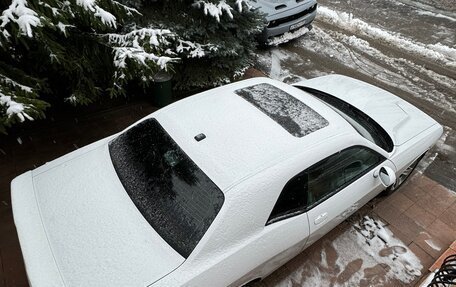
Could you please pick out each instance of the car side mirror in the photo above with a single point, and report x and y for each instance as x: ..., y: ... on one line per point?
x: 387, y: 176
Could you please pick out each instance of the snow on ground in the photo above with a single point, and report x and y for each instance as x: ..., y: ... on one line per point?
x: 437, y: 52
x: 433, y: 14
x: 366, y: 254
x: 273, y: 62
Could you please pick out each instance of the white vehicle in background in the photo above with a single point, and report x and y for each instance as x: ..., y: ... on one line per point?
x: 218, y: 189
x: 285, y: 16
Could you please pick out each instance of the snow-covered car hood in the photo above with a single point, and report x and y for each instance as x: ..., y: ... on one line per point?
x: 95, y: 232
x: 401, y: 120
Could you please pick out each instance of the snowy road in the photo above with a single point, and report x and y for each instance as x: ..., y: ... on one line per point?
x: 406, y: 47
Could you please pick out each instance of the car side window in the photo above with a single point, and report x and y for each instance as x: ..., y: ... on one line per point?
x: 337, y: 171
x: 292, y: 199
x: 322, y: 180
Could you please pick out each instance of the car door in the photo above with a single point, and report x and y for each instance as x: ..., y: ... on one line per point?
x: 339, y: 185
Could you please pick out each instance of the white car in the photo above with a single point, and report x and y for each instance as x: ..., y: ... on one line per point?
x: 218, y: 189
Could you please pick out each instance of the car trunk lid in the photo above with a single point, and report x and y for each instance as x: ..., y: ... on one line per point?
x: 94, y: 230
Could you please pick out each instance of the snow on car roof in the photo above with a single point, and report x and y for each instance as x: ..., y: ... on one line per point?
x: 243, y: 133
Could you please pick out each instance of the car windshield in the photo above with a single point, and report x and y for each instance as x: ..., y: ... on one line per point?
x: 362, y: 123
x: 173, y: 194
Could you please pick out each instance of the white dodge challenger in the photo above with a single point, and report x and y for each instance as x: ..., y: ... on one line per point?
x: 218, y: 189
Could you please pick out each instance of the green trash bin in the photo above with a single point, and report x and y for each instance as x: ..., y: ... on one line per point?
x: 162, y: 91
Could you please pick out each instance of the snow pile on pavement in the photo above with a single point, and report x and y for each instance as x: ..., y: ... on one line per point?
x: 366, y: 254
x: 288, y: 36
x: 347, y: 21
x: 432, y: 14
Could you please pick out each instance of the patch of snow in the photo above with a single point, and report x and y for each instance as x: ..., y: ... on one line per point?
x: 130, y: 10
x: 433, y: 14
x: 432, y: 244
x: 215, y: 10
x: 156, y: 36
x: 347, y: 21
x: 14, y: 108
x: 240, y: 72
x: 107, y: 18
x: 23, y: 16
x: 288, y: 36
x: 62, y: 27
x: 195, y: 50
x: 276, y: 69
x: 241, y: 3
x: 87, y: 4
x: 15, y: 84
x: 140, y: 56
x: 367, y: 245
x: 71, y: 99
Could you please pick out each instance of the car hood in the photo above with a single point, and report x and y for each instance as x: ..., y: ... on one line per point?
x: 401, y: 120
x: 95, y: 232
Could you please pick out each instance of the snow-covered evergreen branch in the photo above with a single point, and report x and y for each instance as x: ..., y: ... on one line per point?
x: 195, y: 50
x: 19, y: 13
x: 214, y: 10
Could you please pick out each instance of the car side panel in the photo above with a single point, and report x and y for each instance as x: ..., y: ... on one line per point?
x: 242, y: 247
x: 328, y: 214
x: 408, y: 152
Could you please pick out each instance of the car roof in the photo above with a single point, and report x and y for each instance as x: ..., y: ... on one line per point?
x: 241, y: 138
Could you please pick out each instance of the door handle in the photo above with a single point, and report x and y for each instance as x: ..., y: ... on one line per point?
x: 321, y: 218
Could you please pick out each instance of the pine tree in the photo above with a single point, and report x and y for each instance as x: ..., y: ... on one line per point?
x: 80, y: 50
x: 215, y: 38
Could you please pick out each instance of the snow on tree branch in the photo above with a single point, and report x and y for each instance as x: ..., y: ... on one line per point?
x: 140, y: 56
x: 24, y: 17
x: 130, y: 11
x: 195, y: 50
x: 155, y: 36
x: 5, y: 80
x: 240, y: 3
x: 106, y: 17
x: 214, y: 10
x: 13, y: 108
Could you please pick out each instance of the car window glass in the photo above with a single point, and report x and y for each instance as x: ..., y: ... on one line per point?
x: 292, y: 199
x: 337, y: 171
x: 289, y: 112
x: 361, y: 122
x: 172, y: 193
x: 322, y: 180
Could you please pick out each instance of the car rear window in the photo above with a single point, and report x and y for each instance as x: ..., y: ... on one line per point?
x: 172, y: 193
x: 292, y: 114
x: 365, y: 125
